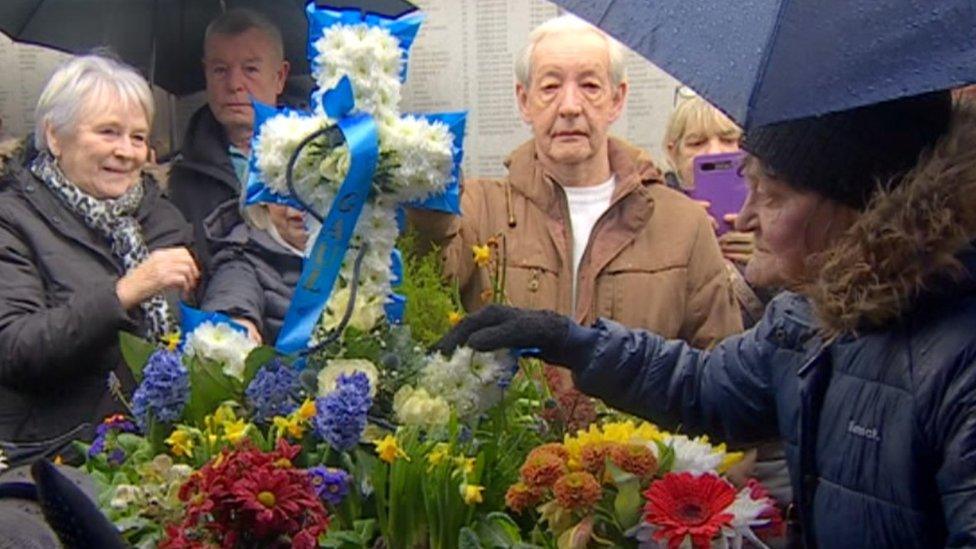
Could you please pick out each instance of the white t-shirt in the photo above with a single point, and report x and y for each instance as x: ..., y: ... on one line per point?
x: 586, y: 205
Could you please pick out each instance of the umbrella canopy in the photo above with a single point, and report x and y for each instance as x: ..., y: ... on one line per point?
x: 164, y: 38
x: 765, y: 61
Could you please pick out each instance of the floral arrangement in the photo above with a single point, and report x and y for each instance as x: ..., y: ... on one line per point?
x: 619, y: 482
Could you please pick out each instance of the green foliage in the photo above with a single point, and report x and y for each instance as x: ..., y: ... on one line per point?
x: 430, y: 299
x: 135, y: 352
x: 208, y: 388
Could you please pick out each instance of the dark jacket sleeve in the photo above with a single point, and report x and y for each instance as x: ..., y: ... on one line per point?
x: 954, y: 432
x: 37, y: 341
x: 234, y: 288
x: 726, y: 392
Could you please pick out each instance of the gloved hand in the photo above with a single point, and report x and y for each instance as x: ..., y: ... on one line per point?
x: 499, y: 327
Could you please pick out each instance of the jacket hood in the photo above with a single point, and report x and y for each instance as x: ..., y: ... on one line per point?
x: 913, y: 243
x: 226, y: 228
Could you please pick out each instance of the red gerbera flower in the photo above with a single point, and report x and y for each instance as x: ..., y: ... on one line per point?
x: 682, y: 504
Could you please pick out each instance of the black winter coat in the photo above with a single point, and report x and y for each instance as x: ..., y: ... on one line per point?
x: 252, y: 276
x: 202, y: 177
x: 59, y: 314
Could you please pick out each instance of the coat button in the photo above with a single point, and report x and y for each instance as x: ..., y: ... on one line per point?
x: 29, y: 188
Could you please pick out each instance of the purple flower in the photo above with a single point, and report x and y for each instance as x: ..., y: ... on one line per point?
x: 331, y: 485
x: 106, y: 432
x: 164, y: 389
x: 341, y: 415
x: 274, y: 391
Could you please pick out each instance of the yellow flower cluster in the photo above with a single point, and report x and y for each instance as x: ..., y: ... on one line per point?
x: 295, y: 424
x: 221, y: 427
x: 620, y: 431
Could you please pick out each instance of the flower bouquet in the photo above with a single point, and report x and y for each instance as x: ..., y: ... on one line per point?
x: 623, y: 483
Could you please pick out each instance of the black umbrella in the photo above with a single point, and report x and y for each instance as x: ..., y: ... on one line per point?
x: 164, y: 38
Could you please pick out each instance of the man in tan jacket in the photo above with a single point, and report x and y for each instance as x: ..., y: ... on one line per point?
x: 590, y: 228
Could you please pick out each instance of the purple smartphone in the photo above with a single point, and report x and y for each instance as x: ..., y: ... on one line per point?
x: 719, y: 180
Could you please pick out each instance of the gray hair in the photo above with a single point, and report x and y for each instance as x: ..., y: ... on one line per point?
x: 80, y: 80
x: 240, y: 20
x: 568, y: 23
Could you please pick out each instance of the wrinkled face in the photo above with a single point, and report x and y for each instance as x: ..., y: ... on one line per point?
x: 790, y: 225
x: 290, y: 224
x: 699, y: 141
x: 104, y: 151
x: 238, y: 67
x: 570, y: 101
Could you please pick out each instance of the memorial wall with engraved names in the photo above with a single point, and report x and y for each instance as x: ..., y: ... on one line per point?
x: 462, y: 59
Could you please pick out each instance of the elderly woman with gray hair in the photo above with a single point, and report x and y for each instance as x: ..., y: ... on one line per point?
x: 87, y: 248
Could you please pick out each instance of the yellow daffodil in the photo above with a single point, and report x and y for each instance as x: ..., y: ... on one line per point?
x: 58, y: 460
x: 388, y: 449
x: 438, y: 454
x: 293, y: 425
x: 454, y: 317
x: 181, y: 443
x: 472, y: 493
x: 466, y: 465
x: 235, y: 431
x: 307, y: 409
x: 482, y: 255
x: 172, y: 340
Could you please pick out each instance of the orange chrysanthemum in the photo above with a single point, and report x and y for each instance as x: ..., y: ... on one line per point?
x: 553, y: 448
x: 541, y: 470
x: 577, y: 491
x: 636, y: 459
x: 520, y: 497
x: 594, y: 457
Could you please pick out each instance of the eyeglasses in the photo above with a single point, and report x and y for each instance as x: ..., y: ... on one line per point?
x: 682, y: 93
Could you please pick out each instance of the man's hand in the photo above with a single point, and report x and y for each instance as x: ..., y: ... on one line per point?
x: 500, y: 327
x: 169, y: 268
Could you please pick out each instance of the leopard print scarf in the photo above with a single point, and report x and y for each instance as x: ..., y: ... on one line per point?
x: 115, y: 220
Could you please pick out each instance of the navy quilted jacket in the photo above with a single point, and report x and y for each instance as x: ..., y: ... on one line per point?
x: 880, y: 427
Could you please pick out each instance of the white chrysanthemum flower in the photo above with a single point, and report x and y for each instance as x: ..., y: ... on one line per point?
x: 277, y: 140
x: 346, y: 366
x: 418, y: 407
x: 694, y: 455
x: 424, y: 153
x: 369, y: 56
x: 222, y: 344
x: 366, y: 313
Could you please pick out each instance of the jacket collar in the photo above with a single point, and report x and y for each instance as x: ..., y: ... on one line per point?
x: 632, y: 167
x: 205, y: 149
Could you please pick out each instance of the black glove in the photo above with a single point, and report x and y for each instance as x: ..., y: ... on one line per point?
x: 499, y: 327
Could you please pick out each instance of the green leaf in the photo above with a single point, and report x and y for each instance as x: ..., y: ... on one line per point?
x: 208, y: 388
x: 136, y: 352
x: 666, y: 459
x: 259, y: 356
x: 627, y: 504
x: 498, y: 530
x: 467, y: 539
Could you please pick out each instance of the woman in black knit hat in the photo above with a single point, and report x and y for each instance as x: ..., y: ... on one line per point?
x: 868, y: 361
